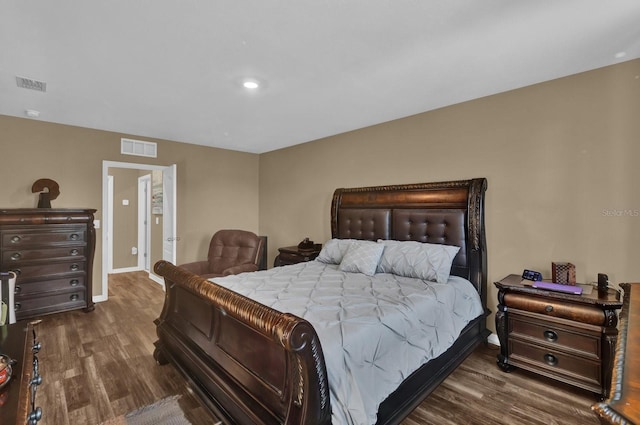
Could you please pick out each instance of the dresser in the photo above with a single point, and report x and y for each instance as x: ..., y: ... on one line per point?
x: 51, y: 251
x: 570, y: 338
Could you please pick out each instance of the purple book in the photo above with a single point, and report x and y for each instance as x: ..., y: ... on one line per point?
x: 570, y: 289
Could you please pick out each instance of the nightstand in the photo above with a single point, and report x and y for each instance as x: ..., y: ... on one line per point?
x: 292, y: 255
x: 570, y: 338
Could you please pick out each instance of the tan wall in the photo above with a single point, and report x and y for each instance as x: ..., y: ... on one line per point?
x: 560, y: 159
x: 125, y: 217
x: 216, y: 188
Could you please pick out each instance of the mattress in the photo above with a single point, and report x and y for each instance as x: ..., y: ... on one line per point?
x: 374, y: 330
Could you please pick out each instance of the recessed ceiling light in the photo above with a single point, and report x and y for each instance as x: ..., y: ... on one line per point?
x: 32, y: 113
x: 250, y: 84
x: 620, y: 55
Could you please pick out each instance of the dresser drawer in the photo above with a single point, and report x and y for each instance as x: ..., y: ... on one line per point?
x: 44, y: 270
x: 554, y: 308
x: 60, y: 301
x: 10, y: 256
x: 28, y: 236
x: 36, y: 287
x: 524, y: 354
x: 555, y: 335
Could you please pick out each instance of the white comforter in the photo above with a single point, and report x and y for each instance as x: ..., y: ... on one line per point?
x: 374, y: 330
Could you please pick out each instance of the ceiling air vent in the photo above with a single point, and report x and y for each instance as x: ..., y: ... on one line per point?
x: 28, y: 83
x: 138, y: 148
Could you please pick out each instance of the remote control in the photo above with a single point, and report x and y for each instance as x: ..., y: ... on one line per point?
x: 570, y: 289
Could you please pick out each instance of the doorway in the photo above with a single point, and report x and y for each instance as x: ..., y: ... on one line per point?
x: 164, y: 205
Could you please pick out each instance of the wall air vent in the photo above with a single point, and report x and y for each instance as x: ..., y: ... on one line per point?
x: 28, y: 83
x: 138, y: 148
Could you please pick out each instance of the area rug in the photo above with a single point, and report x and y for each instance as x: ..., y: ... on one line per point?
x: 166, y: 412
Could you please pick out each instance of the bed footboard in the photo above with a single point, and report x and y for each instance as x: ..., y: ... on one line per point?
x: 249, y: 364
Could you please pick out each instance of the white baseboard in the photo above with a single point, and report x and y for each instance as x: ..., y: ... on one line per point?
x: 126, y: 270
x: 99, y: 298
x: 493, y: 340
x: 156, y: 279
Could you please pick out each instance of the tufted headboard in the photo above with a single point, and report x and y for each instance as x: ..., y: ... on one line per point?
x: 450, y: 213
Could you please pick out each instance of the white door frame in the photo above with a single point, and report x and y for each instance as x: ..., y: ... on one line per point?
x: 107, y: 216
x: 108, y: 224
x: 144, y: 222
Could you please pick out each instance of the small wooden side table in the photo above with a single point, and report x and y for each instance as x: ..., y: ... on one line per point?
x: 570, y: 338
x: 293, y: 255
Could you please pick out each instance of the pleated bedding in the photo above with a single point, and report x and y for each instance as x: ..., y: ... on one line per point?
x: 374, y: 330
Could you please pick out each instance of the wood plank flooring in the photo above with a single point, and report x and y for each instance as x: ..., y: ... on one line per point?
x: 100, y: 365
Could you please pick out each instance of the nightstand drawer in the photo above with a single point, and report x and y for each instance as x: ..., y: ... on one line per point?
x: 554, y: 308
x: 555, y: 335
x: 524, y: 354
x: 287, y: 257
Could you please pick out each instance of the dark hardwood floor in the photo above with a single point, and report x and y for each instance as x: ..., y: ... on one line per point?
x: 100, y: 365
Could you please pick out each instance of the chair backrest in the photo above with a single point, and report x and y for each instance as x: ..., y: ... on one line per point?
x: 230, y: 248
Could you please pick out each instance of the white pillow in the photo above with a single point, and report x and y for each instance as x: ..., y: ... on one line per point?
x: 333, y: 251
x: 416, y: 259
x: 362, y: 257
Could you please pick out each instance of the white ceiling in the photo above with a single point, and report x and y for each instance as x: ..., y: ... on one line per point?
x: 172, y: 69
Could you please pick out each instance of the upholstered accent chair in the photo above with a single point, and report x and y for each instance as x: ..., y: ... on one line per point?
x: 230, y: 252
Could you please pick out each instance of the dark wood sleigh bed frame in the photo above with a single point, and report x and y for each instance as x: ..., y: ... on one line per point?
x: 251, y: 364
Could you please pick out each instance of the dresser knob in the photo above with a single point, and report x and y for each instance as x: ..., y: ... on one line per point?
x: 74, y: 236
x: 74, y: 297
x: 16, y: 306
x: 15, y: 239
x: 74, y: 252
x: 550, y: 359
x: 548, y: 308
x: 74, y: 282
x: 34, y: 416
x: 74, y: 267
x: 18, y: 272
x: 16, y: 256
x: 18, y: 289
x: 550, y: 336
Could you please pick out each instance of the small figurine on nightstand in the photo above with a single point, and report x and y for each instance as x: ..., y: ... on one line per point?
x: 306, y: 250
x: 306, y: 245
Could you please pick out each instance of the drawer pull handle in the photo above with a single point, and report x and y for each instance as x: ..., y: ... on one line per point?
x: 15, y: 239
x: 74, y: 297
x: 550, y: 336
x: 550, y: 359
x: 74, y: 252
x: 548, y: 308
x: 18, y: 289
x: 74, y: 237
x: 17, y: 306
x: 74, y: 267
x: 16, y: 256
x: 74, y: 282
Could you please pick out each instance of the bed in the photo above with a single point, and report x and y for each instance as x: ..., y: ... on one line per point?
x: 254, y: 364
